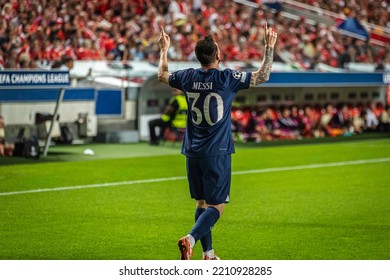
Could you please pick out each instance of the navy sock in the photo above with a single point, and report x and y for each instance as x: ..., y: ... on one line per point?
x: 205, y: 223
x: 207, y: 239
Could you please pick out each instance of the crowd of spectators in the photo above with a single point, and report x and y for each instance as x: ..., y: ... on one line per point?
x: 295, y: 122
x: 371, y: 11
x: 47, y: 30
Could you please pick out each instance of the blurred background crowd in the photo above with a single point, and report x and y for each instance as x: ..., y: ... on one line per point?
x: 298, y: 122
x: 32, y: 31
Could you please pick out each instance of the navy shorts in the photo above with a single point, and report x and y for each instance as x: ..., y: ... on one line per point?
x: 209, y: 178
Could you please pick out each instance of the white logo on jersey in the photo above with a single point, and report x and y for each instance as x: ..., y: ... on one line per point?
x: 237, y: 75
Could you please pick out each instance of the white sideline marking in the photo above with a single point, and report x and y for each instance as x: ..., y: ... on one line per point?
x: 265, y: 170
x: 311, y: 166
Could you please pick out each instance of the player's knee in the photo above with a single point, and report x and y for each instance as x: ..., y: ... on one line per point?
x: 219, y: 207
x: 201, y: 204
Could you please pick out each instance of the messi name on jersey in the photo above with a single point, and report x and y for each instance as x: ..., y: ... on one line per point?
x: 202, y: 86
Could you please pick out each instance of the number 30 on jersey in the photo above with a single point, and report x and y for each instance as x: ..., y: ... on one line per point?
x: 200, y: 111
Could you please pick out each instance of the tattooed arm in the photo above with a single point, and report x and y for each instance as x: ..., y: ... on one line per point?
x: 164, y: 43
x: 262, y: 75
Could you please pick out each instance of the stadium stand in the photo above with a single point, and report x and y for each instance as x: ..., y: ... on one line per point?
x: 39, y: 34
x: 308, y: 121
x: 371, y: 11
x: 36, y: 32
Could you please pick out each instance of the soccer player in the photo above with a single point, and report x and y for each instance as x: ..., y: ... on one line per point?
x: 208, y: 142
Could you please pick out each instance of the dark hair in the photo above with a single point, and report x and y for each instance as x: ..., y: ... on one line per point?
x: 206, y: 50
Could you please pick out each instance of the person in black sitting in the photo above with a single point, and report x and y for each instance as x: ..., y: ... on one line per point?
x: 174, y: 115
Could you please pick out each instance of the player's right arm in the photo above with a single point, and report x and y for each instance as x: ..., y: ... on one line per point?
x: 163, y: 72
x: 263, y: 73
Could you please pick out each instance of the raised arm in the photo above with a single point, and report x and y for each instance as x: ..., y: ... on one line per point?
x: 163, y: 42
x: 263, y: 73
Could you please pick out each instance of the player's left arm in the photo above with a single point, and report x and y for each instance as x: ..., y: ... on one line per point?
x: 263, y: 73
x: 163, y: 72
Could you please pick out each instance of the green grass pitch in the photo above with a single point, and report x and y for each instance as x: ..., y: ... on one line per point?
x: 277, y: 212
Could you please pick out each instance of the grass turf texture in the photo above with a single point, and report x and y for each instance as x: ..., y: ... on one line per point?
x: 340, y: 212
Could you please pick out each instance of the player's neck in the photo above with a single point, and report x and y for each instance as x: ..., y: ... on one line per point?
x: 214, y: 65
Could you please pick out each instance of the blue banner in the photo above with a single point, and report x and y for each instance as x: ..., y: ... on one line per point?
x: 34, y: 79
x: 46, y: 95
x: 109, y: 102
x: 318, y: 79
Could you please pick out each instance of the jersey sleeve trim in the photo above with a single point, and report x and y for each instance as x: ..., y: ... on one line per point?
x: 243, y: 77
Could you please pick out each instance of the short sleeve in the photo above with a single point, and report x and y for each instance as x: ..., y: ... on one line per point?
x: 176, y: 79
x: 238, y: 80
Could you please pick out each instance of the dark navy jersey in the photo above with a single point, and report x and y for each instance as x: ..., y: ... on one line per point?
x: 209, y: 95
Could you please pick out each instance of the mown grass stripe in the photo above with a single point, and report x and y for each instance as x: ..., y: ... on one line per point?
x: 156, y: 180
